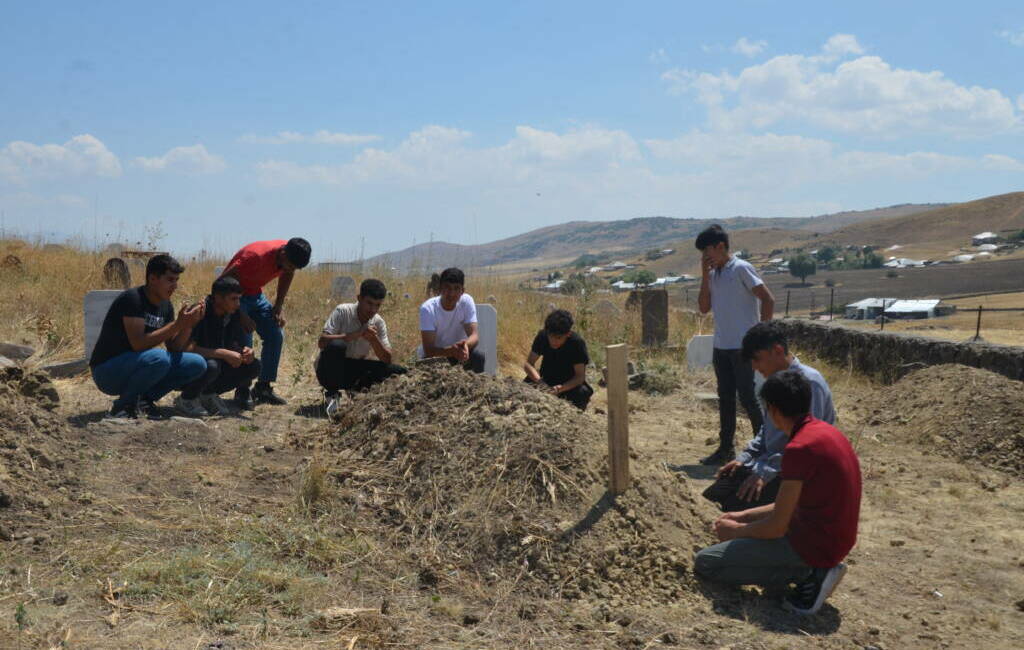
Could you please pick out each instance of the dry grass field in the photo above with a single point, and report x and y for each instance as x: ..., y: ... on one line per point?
x: 279, y: 530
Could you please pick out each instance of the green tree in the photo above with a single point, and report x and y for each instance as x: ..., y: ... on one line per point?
x: 801, y: 266
x: 640, y: 277
x: 873, y: 261
x: 827, y: 253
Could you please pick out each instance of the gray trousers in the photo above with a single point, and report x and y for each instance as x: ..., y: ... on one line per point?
x: 747, y: 561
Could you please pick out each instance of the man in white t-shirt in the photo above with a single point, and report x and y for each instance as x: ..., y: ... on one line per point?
x: 448, y: 324
x: 355, y: 351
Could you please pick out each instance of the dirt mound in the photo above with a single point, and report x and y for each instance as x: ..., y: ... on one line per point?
x: 964, y: 412
x: 35, y: 457
x: 479, y: 476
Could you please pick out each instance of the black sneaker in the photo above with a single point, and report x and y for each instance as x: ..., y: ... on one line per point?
x: 721, y: 456
x: 264, y: 394
x: 121, y: 413
x: 151, y: 410
x: 243, y: 399
x: 808, y: 596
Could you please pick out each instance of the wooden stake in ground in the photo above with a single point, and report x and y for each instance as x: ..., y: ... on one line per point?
x: 618, y: 419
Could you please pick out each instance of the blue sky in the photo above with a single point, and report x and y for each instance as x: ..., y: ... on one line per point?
x: 470, y: 122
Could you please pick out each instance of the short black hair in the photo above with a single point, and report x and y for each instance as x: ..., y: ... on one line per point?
x: 558, y: 322
x: 789, y: 391
x: 763, y: 336
x: 298, y: 250
x: 373, y: 288
x: 711, y: 236
x: 453, y: 275
x: 163, y: 263
x: 226, y: 285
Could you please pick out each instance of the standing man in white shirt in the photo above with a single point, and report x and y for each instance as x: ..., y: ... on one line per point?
x: 732, y: 290
x: 448, y: 324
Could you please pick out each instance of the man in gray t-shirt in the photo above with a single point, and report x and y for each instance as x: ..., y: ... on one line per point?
x: 732, y: 290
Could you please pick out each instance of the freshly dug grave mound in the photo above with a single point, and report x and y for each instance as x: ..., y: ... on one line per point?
x: 484, y: 477
x: 963, y: 412
x: 35, y: 457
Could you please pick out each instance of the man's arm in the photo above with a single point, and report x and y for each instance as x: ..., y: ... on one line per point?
x: 284, y: 282
x: 768, y: 522
x: 472, y: 337
x: 231, y: 357
x: 382, y: 351
x: 530, y: 367
x: 767, y: 301
x: 579, y: 376
x: 704, y: 297
x: 135, y: 328
x: 429, y: 338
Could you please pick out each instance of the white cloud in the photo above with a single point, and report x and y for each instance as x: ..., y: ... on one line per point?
x: 749, y: 48
x: 658, y: 56
x: 319, y: 137
x: 863, y: 95
x: 82, y: 155
x: 193, y: 159
x: 1014, y: 38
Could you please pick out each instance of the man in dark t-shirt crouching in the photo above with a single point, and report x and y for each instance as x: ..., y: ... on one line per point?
x: 128, y: 361
x: 564, y: 369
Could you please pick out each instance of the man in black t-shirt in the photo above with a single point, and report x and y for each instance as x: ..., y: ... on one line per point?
x: 564, y: 369
x: 127, y: 361
x: 230, y: 364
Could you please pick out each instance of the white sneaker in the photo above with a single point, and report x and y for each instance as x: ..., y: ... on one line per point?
x: 334, y: 403
x: 191, y: 408
x: 215, y: 405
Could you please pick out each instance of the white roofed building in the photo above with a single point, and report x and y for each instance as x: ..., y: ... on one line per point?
x: 986, y: 237
x: 868, y: 308
x: 911, y: 309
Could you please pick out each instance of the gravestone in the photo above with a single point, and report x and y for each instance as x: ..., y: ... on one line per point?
x: 653, y: 316
x: 217, y: 270
x: 606, y: 309
x: 699, y: 351
x: 487, y: 330
x: 97, y: 303
x: 343, y: 287
x: 116, y: 274
x: 15, y: 351
x: 493, y: 300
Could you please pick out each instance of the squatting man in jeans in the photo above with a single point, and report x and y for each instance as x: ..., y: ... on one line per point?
x: 354, y: 349
x: 564, y: 368
x: 732, y: 290
x: 804, y: 536
x: 254, y: 266
x: 751, y: 479
x: 448, y: 326
x: 128, y: 361
x: 230, y: 364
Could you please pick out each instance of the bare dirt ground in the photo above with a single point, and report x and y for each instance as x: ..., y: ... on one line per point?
x: 223, y: 535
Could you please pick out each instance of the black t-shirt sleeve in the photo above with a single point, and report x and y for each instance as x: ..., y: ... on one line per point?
x: 540, y: 344
x: 578, y: 351
x: 128, y: 305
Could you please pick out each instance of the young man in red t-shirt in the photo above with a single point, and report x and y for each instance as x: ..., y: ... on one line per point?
x: 803, y: 537
x: 254, y: 266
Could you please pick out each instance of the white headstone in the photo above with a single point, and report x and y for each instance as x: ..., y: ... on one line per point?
x: 699, y: 351
x: 217, y: 270
x: 343, y: 287
x: 97, y: 303
x: 487, y: 329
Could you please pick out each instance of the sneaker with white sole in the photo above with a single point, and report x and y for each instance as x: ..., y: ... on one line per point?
x: 333, y: 404
x: 808, y: 596
x: 121, y: 413
x: 190, y: 408
x: 214, y: 405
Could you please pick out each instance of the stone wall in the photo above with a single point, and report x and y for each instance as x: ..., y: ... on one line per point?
x: 889, y: 356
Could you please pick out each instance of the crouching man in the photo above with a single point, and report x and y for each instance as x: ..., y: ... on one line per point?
x: 804, y: 536
x: 128, y: 361
x: 230, y: 364
x: 564, y: 369
x: 448, y: 324
x: 752, y: 479
x: 354, y: 349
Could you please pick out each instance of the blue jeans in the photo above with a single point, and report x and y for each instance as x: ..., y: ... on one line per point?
x: 150, y: 374
x: 261, y: 311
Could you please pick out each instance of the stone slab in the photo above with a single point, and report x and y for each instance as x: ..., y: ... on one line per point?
x: 343, y: 287
x: 699, y: 351
x: 15, y: 351
x: 487, y: 330
x: 97, y: 303
x: 66, y: 369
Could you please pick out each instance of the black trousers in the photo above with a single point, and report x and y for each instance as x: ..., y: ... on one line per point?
x: 337, y: 372
x: 475, y: 363
x: 220, y: 377
x: 723, y: 491
x: 734, y: 376
x: 578, y: 397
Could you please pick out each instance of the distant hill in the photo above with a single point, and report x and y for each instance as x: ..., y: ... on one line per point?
x: 565, y: 242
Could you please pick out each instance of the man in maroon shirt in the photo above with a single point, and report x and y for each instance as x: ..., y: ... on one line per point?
x: 803, y: 537
x: 254, y: 266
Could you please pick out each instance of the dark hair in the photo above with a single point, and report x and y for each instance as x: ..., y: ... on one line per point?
x: 763, y: 336
x: 373, y: 288
x: 711, y: 236
x: 226, y: 285
x: 453, y: 275
x: 297, y: 250
x: 789, y: 391
x: 558, y: 322
x: 163, y: 263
